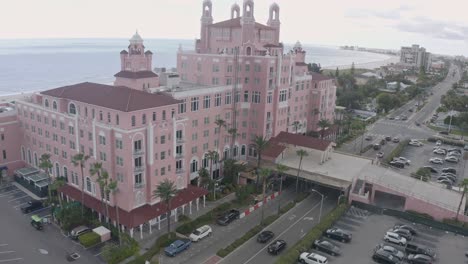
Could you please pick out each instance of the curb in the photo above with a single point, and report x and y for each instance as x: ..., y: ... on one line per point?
x: 259, y: 204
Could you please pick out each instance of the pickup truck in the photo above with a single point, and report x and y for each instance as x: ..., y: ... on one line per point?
x: 228, y: 217
x: 416, y: 249
x: 176, y: 247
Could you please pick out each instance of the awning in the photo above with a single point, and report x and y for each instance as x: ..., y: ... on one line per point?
x: 38, y: 177
x: 42, y: 184
x: 26, y: 171
x: 3, y: 168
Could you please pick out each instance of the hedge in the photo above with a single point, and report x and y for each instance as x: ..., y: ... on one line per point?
x: 447, y: 141
x: 187, y: 228
x: 162, y: 242
x: 89, y: 239
x: 397, y: 151
x: 114, y: 254
x: 292, y: 254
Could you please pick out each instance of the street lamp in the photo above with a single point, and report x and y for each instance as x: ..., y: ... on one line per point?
x: 321, y: 203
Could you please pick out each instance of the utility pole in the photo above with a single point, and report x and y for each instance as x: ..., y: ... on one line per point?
x: 450, y: 123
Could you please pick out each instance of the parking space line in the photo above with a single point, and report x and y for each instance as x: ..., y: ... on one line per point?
x: 39, y: 210
x: 9, y: 193
x: 5, y: 252
x: 19, y: 205
x: 9, y: 260
x: 6, y: 187
x: 12, y: 200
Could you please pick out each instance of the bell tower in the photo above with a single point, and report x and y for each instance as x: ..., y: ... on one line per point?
x: 248, y: 27
x: 206, y: 21
x: 274, y: 21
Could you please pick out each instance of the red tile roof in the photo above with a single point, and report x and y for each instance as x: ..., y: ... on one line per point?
x: 141, y: 214
x: 273, y: 150
x: 136, y: 75
x: 114, y: 97
x: 236, y: 22
x: 301, y: 64
x: 319, y: 77
x: 300, y: 140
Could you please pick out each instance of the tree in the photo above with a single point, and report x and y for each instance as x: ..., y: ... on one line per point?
x: 259, y: 143
x: 337, y: 72
x: 264, y: 172
x: 57, y: 184
x: 281, y: 169
x: 103, y: 182
x: 464, y: 186
x: 234, y: 133
x: 80, y: 160
x: 231, y: 170
x: 96, y: 169
x: 301, y: 153
x: 46, y: 165
x: 353, y: 70
x: 113, y: 188
x: 212, y: 155
x: 314, y: 67
x: 323, y: 123
x: 387, y: 101
x: 296, y: 124
x: 166, y: 190
x: 203, y: 177
x: 220, y: 123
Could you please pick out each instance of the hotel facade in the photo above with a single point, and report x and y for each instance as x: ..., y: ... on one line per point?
x: 148, y: 127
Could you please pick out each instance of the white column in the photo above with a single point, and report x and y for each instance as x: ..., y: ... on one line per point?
x: 183, y: 209
x: 190, y: 207
x: 175, y: 215
x: 68, y: 199
x: 141, y: 231
x: 131, y: 232
x: 198, y: 201
x: 159, y: 222
x: 123, y: 228
x: 99, y: 217
x: 115, y: 223
x: 204, y: 200
x: 149, y: 223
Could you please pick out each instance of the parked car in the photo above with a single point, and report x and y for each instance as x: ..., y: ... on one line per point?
x: 448, y: 174
x: 446, y: 182
x: 388, y: 138
x: 382, y: 256
x: 454, y: 154
x: 380, y: 154
x: 416, y: 249
x: 394, y: 238
x: 397, y: 164
x: 176, y: 247
x: 338, y: 234
x: 391, y: 118
x: 465, y: 147
x: 404, y: 118
x: 455, y: 150
x: 417, y: 123
x: 326, y: 246
x: 439, y: 151
x: 449, y: 170
x: 376, y: 146
x: 443, y: 179
x: 396, y: 140
x: 431, y: 169
x: 276, y: 247
x: 228, y: 217
x: 265, y: 236
x: 32, y: 206
x: 415, y: 143
x: 436, y: 160
x: 407, y: 227
x: 78, y: 231
x: 403, y: 159
x: 368, y: 137
x: 438, y: 143
x: 400, y: 255
x: 451, y: 159
x: 397, y: 117
x: 312, y: 258
x: 403, y: 232
x: 419, y: 259
x: 410, y: 110
x: 200, y: 233
x: 444, y: 132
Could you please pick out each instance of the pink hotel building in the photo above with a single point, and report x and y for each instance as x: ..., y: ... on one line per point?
x: 145, y: 129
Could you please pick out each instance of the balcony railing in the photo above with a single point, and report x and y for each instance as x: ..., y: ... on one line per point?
x: 138, y: 152
x: 180, y: 171
x: 139, y: 185
x: 180, y: 140
x: 139, y: 169
x: 179, y: 155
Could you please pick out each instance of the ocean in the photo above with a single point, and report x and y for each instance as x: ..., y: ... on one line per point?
x: 32, y: 65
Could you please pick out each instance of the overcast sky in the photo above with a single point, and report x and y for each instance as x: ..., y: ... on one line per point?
x: 439, y: 25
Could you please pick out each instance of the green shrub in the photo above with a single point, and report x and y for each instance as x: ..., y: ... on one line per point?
x: 447, y: 141
x: 420, y: 214
x: 397, y: 151
x: 114, y: 254
x: 162, y: 242
x: 293, y: 253
x: 208, y: 218
x: 183, y: 218
x: 286, y: 208
x: 89, y: 239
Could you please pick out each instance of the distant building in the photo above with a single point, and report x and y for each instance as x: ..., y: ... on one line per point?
x: 415, y: 57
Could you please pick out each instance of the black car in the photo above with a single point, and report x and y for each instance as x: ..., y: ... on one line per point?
x: 444, y: 132
x: 407, y: 227
x: 403, y: 233
x: 338, y: 234
x: 397, y: 164
x: 382, y: 256
x: 32, y: 206
x: 265, y: 236
x: 431, y: 169
x: 388, y: 138
x: 449, y: 170
x: 228, y: 217
x: 276, y: 247
x: 400, y: 255
x: 326, y: 246
x: 419, y: 259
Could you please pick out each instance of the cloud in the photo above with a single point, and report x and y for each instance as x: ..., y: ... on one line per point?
x: 392, y: 14
x: 435, y: 29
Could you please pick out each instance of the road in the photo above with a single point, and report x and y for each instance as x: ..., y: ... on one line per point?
x: 291, y: 227
x: 21, y: 243
x: 408, y: 128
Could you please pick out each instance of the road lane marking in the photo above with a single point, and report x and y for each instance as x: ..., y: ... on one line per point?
x: 5, y: 252
x: 2, y: 245
x: 9, y: 193
x: 9, y: 260
x: 18, y: 198
x: 284, y: 231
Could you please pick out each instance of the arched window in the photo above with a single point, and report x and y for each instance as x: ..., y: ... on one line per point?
x: 249, y: 51
x: 164, y: 115
x: 236, y: 151
x: 108, y: 117
x: 243, y: 150
x: 88, y: 184
x: 226, y: 153
x: 72, y: 109
x: 194, y: 166
x: 143, y: 119
x: 100, y: 116
x: 54, y: 105
x: 57, y: 170
x: 46, y: 103
x: 29, y: 157
x: 35, y: 160
x: 117, y: 120
x: 86, y: 111
x: 65, y: 173
x: 133, y: 121
x: 23, y: 154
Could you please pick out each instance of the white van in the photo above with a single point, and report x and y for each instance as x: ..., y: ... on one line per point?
x: 200, y: 233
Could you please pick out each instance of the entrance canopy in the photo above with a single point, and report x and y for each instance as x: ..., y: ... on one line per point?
x: 23, y: 172
x: 37, y: 177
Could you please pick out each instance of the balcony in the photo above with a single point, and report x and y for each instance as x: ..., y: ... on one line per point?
x: 138, y: 152
x: 180, y: 140
x: 180, y: 171
x: 139, y: 185
x: 139, y: 169
x: 179, y: 155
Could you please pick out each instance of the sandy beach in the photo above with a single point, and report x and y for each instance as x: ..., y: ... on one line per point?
x: 368, y: 65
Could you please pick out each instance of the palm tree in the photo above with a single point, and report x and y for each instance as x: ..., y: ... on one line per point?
x: 203, y: 177
x: 464, y: 186
x: 46, y: 165
x: 301, y: 153
x: 323, y: 123
x: 80, y: 160
x: 96, y: 169
x: 166, y: 190
x: 103, y: 182
x: 260, y: 144
x: 58, y: 183
x: 114, y: 188
x: 220, y: 123
x: 233, y: 132
x: 281, y: 169
x: 296, y: 124
x: 265, y: 173
x: 212, y: 155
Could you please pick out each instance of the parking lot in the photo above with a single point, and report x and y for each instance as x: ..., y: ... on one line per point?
x: 16, y: 198
x: 368, y: 231
x: 419, y: 157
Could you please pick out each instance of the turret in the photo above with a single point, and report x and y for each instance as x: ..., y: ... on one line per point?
x: 248, y: 12
x: 206, y: 21
x: 274, y: 21
x: 235, y: 11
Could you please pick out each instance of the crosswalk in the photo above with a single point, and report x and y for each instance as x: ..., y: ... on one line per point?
x: 358, y: 213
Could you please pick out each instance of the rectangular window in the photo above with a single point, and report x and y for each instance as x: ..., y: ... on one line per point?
x: 206, y: 102
x: 102, y: 156
x: 195, y: 123
x: 119, y: 161
x: 163, y: 171
x: 215, y: 81
x: 4, y: 154
x: 194, y: 104
x: 237, y: 97
x: 72, y: 144
x: 81, y: 133
x: 229, y: 68
x: 163, y: 155
x: 247, y: 67
x: 64, y: 154
x: 206, y: 120
x: 63, y: 140
x: 205, y: 146
x: 118, y: 144
x: 90, y: 136
x: 283, y: 96
x: 217, y: 100
x: 102, y: 140
x: 215, y: 68
x: 56, y: 152
x: 270, y: 97
x: 228, y: 81
x: 138, y: 179
x: 62, y: 126
x: 163, y: 140
x: 183, y: 107
x: 120, y: 177
x: 54, y: 123
x: 194, y: 136
x: 246, y: 80
x: 91, y: 152
x: 246, y: 96
x: 228, y: 98
x: 206, y: 133
x: 256, y: 97
x: 194, y: 150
